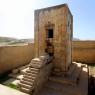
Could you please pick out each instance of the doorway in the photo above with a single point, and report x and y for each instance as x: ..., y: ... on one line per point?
x: 49, y: 41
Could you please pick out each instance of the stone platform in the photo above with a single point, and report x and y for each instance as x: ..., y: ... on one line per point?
x: 66, y: 86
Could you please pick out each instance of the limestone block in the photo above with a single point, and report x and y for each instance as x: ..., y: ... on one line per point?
x: 15, y: 71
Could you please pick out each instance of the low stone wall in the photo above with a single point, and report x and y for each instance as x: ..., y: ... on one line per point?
x: 84, y: 51
x: 14, y: 56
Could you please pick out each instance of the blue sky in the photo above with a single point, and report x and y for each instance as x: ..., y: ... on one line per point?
x: 17, y: 17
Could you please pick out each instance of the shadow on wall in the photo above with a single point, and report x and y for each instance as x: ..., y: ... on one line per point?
x: 14, y: 56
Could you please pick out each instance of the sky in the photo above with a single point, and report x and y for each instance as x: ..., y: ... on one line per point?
x: 17, y: 17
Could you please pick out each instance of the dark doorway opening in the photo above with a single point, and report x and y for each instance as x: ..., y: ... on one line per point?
x: 50, y: 33
x: 49, y: 42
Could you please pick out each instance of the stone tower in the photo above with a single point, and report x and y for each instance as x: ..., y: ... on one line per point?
x: 53, y: 35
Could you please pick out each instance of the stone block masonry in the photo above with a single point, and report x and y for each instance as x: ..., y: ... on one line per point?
x: 37, y: 74
x: 53, y: 34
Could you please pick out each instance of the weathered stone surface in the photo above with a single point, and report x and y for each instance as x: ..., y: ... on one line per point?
x: 84, y: 51
x: 26, y: 82
x: 59, y: 19
x: 34, y: 77
x: 14, y: 56
x: 15, y: 71
x: 25, y: 90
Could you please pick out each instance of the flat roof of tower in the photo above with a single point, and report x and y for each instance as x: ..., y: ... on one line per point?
x: 54, y: 7
x: 57, y: 6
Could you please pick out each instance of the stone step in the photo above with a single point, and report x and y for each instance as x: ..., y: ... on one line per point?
x: 30, y: 76
x: 25, y: 90
x: 23, y: 67
x: 16, y: 76
x: 34, y: 69
x: 27, y: 82
x: 57, y: 73
x: 36, y: 60
x: 60, y: 80
x: 24, y: 70
x: 15, y: 71
x: 57, y: 87
x: 36, y: 65
x: 30, y: 71
x: 25, y: 86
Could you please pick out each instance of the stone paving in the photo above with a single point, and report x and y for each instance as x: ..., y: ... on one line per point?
x: 9, y: 91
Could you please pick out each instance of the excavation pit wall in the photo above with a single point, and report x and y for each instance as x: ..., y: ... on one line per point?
x: 84, y: 51
x: 13, y: 56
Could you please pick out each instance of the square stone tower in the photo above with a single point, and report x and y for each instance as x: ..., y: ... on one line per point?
x: 53, y: 35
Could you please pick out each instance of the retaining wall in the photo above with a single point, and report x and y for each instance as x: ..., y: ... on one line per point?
x: 14, y: 56
x: 84, y: 51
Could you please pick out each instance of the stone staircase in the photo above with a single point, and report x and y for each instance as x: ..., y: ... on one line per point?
x: 27, y: 83
x: 33, y: 76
